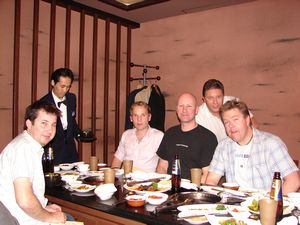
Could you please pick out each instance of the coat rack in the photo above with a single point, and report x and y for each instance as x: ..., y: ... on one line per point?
x: 145, y: 70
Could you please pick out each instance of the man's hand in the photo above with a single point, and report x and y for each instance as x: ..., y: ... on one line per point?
x: 53, y: 208
x: 162, y: 166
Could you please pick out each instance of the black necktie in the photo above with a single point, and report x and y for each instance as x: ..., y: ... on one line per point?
x: 62, y: 102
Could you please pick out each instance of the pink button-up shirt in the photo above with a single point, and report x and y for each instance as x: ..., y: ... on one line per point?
x: 143, y: 153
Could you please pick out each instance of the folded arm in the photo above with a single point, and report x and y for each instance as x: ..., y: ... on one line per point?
x: 27, y: 201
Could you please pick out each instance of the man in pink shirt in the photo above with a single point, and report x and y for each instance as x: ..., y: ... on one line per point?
x: 140, y: 143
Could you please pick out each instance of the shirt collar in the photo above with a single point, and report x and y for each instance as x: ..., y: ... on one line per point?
x: 56, y: 99
x: 37, y: 146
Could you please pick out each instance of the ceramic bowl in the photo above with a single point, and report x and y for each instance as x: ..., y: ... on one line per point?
x: 66, y: 166
x: 232, y: 186
x: 136, y: 200
x: 105, y: 191
x: 156, y: 198
x: 83, y: 167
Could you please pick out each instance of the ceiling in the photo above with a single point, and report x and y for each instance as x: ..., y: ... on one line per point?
x: 161, y: 10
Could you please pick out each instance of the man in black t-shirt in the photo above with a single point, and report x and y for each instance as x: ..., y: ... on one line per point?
x: 194, y: 144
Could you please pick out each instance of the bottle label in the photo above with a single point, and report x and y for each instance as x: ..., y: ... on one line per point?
x: 276, y: 191
x: 176, y: 168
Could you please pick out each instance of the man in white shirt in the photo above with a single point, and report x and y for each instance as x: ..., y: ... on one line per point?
x: 22, y: 184
x: 208, y: 114
x: 140, y: 143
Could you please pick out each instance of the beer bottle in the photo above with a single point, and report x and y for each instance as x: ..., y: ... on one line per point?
x: 48, y: 160
x: 276, y: 194
x: 176, y: 174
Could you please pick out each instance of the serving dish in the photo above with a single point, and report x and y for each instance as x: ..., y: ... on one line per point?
x: 156, y: 198
x: 93, y: 180
x: 205, y: 208
x: 82, y: 188
x: 136, y: 200
x: 105, y: 191
x: 193, y: 217
x: 142, y: 188
x: 66, y: 166
x: 199, y: 197
x: 287, y: 207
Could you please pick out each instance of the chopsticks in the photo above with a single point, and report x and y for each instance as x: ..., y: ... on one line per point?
x: 131, y: 183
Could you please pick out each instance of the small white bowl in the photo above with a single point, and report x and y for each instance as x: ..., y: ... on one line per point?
x: 156, y: 198
x: 83, y: 167
x: 77, y: 163
x: 105, y: 191
x: 66, y: 166
x: 105, y: 195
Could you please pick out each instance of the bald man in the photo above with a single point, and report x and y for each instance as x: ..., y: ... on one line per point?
x: 194, y: 144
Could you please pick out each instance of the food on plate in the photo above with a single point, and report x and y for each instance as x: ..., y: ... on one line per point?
x: 220, y: 207
x: 254, y: 217
x: 152, y: 187
x: 254, y: 205
x: 232, y: 222
x: 197, y: 219
x: 83, y: 187
x: 155, y: 197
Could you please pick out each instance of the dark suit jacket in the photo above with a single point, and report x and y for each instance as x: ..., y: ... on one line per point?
x: 63, y: 143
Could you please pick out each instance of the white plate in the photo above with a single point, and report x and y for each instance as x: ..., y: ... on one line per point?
x: 287, y: 207
x: 162, y: 188
x: 82, y: 188
x: 197, y: 217
x: 216, y: 220
x: 205, y: 208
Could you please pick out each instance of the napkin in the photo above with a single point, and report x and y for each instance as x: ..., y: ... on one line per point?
x: 291, y: 220
x: 189, y: 186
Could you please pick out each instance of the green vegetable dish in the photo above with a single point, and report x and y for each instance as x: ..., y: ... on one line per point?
x: 232, y: 222
x: 220, y: 207
x: 254, y: 206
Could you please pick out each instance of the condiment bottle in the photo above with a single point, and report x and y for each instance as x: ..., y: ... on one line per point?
x: 276, y: 194
x: 176, y: 174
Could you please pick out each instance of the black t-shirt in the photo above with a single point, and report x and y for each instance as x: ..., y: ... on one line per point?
x: 195, y: 148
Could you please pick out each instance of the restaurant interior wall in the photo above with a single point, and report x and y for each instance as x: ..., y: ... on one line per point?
x: 253, y: 48
x: 38, y: 37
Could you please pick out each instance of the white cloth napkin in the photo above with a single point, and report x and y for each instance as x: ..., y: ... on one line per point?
x: 189, y: 186
x: 291, y: 220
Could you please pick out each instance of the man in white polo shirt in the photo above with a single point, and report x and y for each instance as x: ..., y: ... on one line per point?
x: 22, y: 184
x: 208, y: 114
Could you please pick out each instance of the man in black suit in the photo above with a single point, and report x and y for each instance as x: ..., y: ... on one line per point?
x: 67, y: 128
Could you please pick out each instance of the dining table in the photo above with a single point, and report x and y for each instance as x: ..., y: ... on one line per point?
x: 88, y: 208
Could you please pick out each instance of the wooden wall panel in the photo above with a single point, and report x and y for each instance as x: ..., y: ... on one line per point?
x: 47, y: 35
